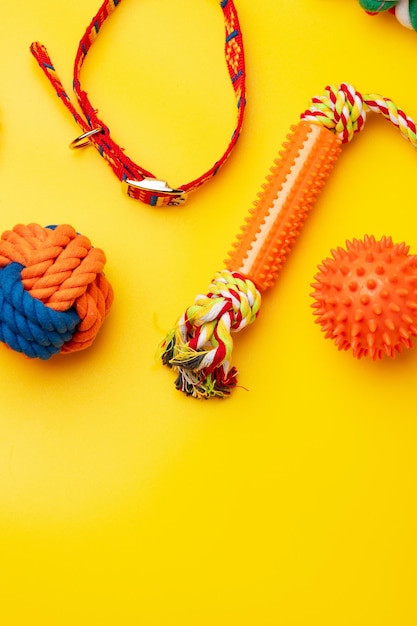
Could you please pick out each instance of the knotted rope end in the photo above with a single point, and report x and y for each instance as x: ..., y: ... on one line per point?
x: 198, y: 348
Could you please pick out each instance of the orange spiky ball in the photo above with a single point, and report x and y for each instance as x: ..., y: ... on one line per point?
x: 366, y: 297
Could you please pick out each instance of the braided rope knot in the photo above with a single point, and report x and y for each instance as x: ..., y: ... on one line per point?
x: 54, y: 296
x: 340, y: 109
x: 199, y: 346
x: 343, y: 110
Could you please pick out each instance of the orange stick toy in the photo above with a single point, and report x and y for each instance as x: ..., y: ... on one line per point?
x: 288, y: 195
x: 199, y: 346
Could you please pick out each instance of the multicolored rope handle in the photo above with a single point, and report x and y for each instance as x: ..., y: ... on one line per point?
x: 200, y: 344
x: 404, y: 10
x: 137, y: 182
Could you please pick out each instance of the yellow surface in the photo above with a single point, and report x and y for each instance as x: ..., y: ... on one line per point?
x: 121, y: 500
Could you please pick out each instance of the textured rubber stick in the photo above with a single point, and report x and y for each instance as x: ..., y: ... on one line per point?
x: 283, y: 204
x: 199, y: 346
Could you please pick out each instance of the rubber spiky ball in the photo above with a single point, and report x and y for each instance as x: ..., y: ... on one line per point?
x: 366, y: 297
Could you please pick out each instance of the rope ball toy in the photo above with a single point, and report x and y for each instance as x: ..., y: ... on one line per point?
x: 54, y: 296
x: 404, y: 10
x: 365, y: 297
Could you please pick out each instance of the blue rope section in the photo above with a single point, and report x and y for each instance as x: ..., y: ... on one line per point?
x: 26, y: 324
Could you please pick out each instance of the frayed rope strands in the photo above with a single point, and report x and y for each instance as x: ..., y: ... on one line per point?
x: 404, y: 10
x: 54, y: 296
x: 137, y: 182
x: 199, y: 346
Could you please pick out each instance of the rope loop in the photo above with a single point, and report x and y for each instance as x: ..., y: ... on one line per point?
x: 389, y: 110
x: 53, y: 293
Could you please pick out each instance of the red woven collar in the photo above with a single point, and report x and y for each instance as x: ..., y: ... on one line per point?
x: 137, y: 182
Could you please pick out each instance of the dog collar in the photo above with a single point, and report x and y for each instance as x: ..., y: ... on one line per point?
x: 137, y: 182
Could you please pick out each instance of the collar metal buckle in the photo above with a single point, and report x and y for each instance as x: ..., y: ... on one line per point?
x: 154, y: 192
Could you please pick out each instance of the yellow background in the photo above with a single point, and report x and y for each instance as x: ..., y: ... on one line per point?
x: 123, y: 501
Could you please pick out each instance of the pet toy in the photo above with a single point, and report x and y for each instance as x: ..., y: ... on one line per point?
x: 54, y: 296
x: 199, y: 346
x: 366, y: 297
x: 137, y: 182
x: 404, y: 10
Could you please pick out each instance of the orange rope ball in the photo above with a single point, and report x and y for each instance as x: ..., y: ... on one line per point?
x: 54, y: 296
x: 366, y: 297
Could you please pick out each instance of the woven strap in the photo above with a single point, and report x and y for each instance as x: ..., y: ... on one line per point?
x: 139, y: 183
